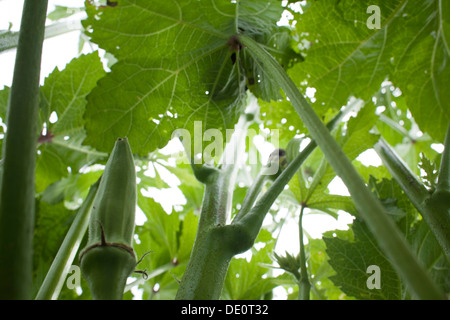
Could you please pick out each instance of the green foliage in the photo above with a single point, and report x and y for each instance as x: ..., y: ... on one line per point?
x: 8, y: 39
x: 351, y: 260
x: 63, y: 94
x: 52, y: 223
x: 310, y: 186
x: 169, y: 239
x: 180, y: 66
x: 174, y: 62
x: 251, y: 280
x: 345, y: 57
x: 430, y: 169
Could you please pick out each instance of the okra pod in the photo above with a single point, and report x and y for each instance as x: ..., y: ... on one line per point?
x: 108, y: 258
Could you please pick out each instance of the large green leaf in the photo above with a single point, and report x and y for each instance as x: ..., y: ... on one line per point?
x: 422, y: 63
x: 350, y: 258
x: 351, y: 261
x: 64, y: 95
x: 178, y: 62
x: 345, y: 57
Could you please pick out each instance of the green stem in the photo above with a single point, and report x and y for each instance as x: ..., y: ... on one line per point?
x: 409, y: 182
x: 437, y: 207
x: 255, y: 216
x: 433, y: 210
x: 389, y: 238
x: 395, y: 126
x: 304, y: 286
x: 252, y: 194
x: 54, y: 280
x: 210, y: 257
x: 252, y: 221
x: 207, y: 268
x: 19, y: 151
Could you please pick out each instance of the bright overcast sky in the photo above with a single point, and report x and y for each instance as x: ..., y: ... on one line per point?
x: 57, y: 51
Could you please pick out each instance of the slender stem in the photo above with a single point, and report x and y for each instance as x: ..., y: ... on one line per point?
x: 54, y: 280
x: 252, y: 194
x: 304, y: 286
x: 258, y: 212
x: 253, y: 219
x: 150, y: 275
x: 19, y: 150
x: 395, y: 126
x: 433, y: 208
x: 411, y: 185
x: 389, y: 238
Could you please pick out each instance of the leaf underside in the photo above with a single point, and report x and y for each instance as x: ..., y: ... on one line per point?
x: 176, y: 66
x: 345, y: 57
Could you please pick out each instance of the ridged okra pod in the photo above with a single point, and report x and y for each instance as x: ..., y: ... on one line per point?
x: 108, y: 258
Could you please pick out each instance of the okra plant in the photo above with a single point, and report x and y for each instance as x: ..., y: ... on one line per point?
x: 207, y: 132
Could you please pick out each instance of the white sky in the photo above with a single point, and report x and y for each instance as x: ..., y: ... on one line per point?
x: 57, y: 51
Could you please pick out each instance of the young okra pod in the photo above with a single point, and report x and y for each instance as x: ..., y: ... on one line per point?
x: 108, y: 258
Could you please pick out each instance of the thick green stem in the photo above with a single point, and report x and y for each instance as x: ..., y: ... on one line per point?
x: 19, y: 152
x: 53, y: 282
x: 210, y: 257
x: 208, y: 264
x: 437, y: 207
x: 304, y: 286
x: 207, y: 268
x: 389, y: 238
x: 216, y: 243
x: 429, y: 206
